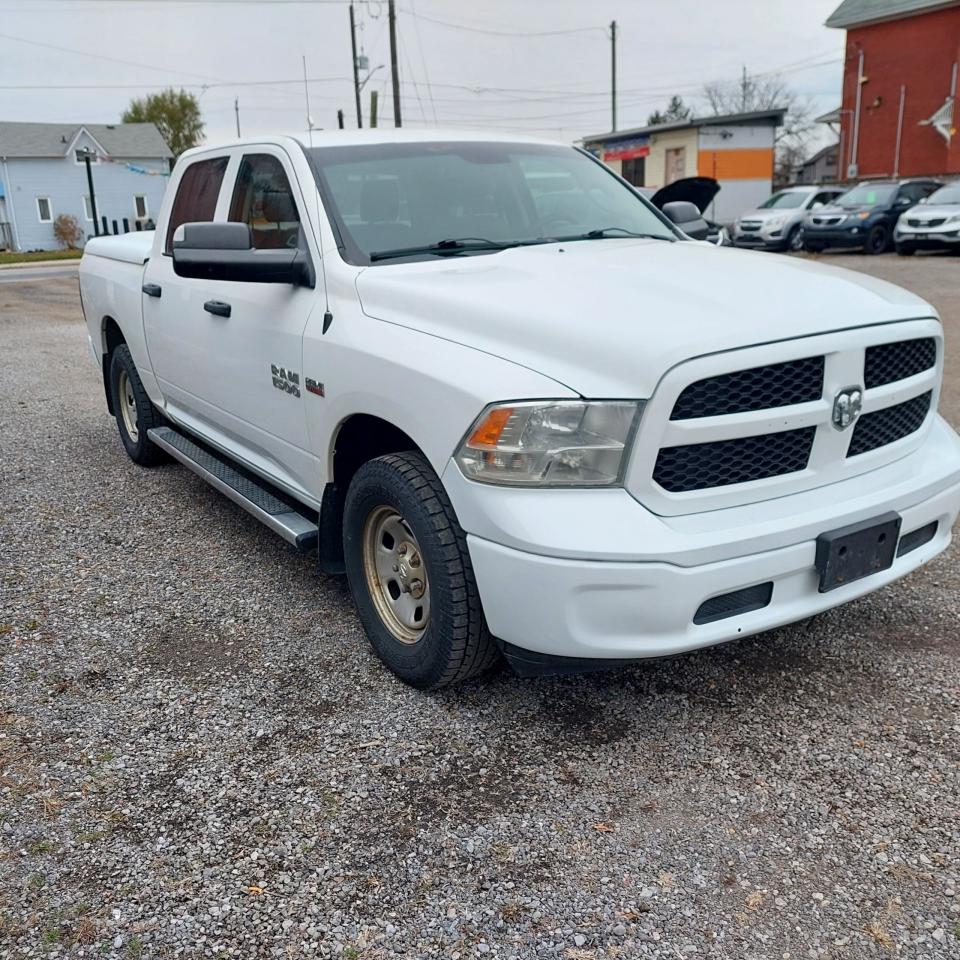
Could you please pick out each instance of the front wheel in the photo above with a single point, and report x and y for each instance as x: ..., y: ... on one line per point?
x: 132, y: 407
x: 877, y: 240
x: 794, y: 241
x: 411, y: 576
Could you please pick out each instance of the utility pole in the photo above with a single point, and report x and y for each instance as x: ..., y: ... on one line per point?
x: 356, y: 74
x: 373, y: 108
x: 236, y: 110
x: 392, y: 11
x: 613, y: 74
x: 87, y: 153
x: 743, y: 89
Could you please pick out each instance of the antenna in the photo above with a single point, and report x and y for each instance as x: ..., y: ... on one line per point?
x: 306, y: 94
x: 327, y: 315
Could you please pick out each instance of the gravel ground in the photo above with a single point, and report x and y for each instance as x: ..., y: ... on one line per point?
x: 200, y: 757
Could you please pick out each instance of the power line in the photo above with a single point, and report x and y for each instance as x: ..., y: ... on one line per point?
x: 501, y: 33
x: 100, y: 56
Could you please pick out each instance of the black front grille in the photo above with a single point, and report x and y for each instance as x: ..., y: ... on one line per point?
x: 889, y: 362
x: 734, y: 604
x: 885, y: 426
x: 719, y: 463
x: 760, y: 388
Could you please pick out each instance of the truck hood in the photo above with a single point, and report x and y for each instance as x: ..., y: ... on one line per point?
x: 607, y: 318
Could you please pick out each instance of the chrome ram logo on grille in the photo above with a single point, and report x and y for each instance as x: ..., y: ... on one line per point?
x: 847, y: 406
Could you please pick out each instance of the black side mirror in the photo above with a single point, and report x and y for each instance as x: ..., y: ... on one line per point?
x: 225, y: 251
x: 688, y: 218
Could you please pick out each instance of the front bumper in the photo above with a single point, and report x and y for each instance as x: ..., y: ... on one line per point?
x: 937, y: 238
x: 760, y: 239
x: 595, y: 576
x: 852, y: 236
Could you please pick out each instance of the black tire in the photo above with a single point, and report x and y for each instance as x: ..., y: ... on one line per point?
x: 455, y: 644
x: 794, y: 241
x: 904, y: 250
x: 813, y: 247
x: 877, y: 240
x: 140, y: 448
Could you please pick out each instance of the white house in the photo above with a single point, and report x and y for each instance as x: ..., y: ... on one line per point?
x: 43, y: 174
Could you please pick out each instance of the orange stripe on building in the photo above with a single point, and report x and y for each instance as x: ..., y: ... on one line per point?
x: 736, y: 164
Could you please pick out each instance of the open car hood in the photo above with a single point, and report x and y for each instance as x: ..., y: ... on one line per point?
x: 699, y: 191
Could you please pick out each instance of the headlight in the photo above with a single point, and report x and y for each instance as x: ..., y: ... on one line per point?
x: 775, y: 223
x: 863, y: 215
x: 550, y: 443
x: 954, y: 218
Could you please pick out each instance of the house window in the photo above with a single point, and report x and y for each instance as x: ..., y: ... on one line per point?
x: 140, y: 205
x: 80, y: 156
x: 44, y: 210
x: 87, y: 208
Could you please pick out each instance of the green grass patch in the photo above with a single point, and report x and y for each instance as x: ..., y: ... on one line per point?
x: 40, y: 255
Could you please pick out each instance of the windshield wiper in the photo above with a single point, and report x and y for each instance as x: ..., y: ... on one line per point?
x: 604, y: 232
x: 460, y: 245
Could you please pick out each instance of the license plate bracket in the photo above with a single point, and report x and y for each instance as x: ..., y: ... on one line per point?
x: 857, y: 551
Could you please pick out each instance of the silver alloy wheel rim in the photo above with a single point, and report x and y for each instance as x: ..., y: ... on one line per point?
x: 396, y: 575
x: 128, y: 406
x: 796, y: 241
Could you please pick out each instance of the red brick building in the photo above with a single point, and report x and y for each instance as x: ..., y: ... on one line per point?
x: 900, y: 113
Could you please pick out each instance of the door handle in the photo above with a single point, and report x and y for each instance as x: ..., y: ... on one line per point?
x: 151, y: 289
x: 217, y: 307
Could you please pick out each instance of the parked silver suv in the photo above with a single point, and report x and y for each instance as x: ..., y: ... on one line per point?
x: 777, y: 224
x: 934, y: 224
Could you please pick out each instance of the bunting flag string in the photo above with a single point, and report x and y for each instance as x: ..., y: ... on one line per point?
x: 133, y: 168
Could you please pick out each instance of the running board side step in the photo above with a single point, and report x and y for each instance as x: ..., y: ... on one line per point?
x: 253, y: 495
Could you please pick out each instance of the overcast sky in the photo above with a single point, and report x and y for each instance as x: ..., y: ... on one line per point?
x: 536, y: 66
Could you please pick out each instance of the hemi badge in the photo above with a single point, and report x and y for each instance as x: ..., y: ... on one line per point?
x: 314, y: 387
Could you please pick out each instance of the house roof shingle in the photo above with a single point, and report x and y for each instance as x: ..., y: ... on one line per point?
x: 855, y: 13
x: 126, y: 140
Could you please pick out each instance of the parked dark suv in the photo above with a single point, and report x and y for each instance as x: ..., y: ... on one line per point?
x: 864, y: 216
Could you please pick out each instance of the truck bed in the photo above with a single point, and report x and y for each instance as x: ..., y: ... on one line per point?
x: 127, y: 247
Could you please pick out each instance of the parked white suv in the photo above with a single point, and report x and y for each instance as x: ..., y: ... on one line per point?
x: 933, y: 224
x: 519, y: 408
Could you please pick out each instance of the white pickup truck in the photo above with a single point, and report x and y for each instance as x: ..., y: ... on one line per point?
x: 525, y: 413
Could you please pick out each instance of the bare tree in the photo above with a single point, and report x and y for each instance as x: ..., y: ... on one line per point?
x: 769, y: 92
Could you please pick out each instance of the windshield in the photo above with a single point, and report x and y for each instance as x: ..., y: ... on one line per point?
x: 868, y: 195
x: 389, y: 197
x: 785, y: 199
x: 948, y: 194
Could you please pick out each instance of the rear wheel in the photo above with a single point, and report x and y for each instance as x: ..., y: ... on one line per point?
x: 132, y: 407
x: 877, y: 240
x: 411, y: 576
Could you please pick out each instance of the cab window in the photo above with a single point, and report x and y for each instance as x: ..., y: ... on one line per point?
x: 196, y: 199
x: 263, y: 199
